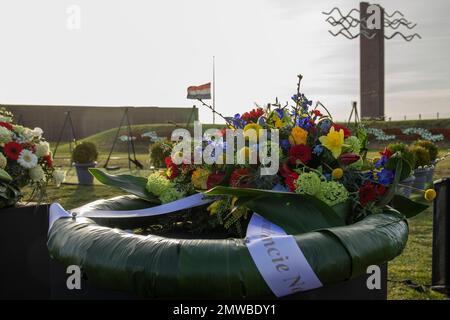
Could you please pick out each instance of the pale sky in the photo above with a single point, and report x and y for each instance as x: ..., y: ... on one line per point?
x: 147, y: 52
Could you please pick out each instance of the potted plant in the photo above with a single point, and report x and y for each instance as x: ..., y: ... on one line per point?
x: 405, y: 185
x: 159, y: 151
x: 422, y: 165
x: 433, y: 151
x: 84, y: 156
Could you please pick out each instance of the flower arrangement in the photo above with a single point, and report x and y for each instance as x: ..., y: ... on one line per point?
x: 317, y: 157
x: 25, y: 159
x: 321, y: 161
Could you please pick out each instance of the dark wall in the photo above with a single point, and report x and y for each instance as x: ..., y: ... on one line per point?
x: 91, y: 120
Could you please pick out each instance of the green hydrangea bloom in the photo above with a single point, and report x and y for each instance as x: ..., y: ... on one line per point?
x: 333, y: 193
x: 157, y: 184
x: 354, y: 144
x: 308, y: 183
x: 170, y: 195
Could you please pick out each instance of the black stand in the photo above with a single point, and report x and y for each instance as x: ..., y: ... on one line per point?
x: 130, y: 146
x: 67, y: 122
x: 440, y: 273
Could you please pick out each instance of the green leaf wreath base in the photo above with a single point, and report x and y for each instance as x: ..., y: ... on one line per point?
x: 159, y: 267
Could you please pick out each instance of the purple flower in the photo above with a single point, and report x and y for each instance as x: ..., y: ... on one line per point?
x: 279, y: 112
x: 382, y: 162
x: 285, y: 145
x: 385, y: 177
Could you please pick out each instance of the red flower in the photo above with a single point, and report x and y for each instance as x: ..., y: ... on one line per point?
x: 338, y: 127
x: 369, y: 192
x: 214, y: 179
x: 172, y: 169
x: 301, y: 153
x: 12, y: 150
x: 290, y: 181
x: 252, y: 116
x: 48, y: 160
x: 387, y: 153
x: 317, y: 113
x: 348, y: 158
x: 289, y: 176
x: 380, y: 190
x: 240, y: 178
x: 6, y: 125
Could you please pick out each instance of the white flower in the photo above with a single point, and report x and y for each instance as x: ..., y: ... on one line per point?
x: 37, y: 132
x: 5, y: 135
x: 37, y: 173
x: 3, y: 161
x: 27, y: 159
x: 43, y: 149
x: 59, y: 176
x: 27, y: 135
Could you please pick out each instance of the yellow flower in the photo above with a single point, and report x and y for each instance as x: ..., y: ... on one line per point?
x: 430, y: 195
x: 298, y: 136
x: 337, y: 173
x: 252, y: 126
x: 277, y: 121
x: 199, y: 178
x: 333, y: 141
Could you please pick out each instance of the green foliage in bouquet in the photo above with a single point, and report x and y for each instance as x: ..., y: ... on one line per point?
x: 84, y: 153
x: 430, y: 146
x: 159, y: 151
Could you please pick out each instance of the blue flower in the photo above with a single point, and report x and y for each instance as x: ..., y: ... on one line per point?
x: 304, y: 123
x: 318, y: 149
x: 238, y: 123
x: 382, y: 162
x: 325, y: 125
x: 305, y: 102
x: 285, y: 145
x: 279, y: 112
x: 385, y: 177
x: 262, y: 121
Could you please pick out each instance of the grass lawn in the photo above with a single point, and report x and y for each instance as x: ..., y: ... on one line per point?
x: 414, y: 264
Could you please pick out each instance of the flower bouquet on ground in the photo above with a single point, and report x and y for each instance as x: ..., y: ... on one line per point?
x: 25, y: 160
x: 285, y: 170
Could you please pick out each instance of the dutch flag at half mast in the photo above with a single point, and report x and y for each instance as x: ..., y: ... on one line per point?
x: 202, y: 92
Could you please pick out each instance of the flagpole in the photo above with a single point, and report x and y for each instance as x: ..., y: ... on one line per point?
x: 214, y: 90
